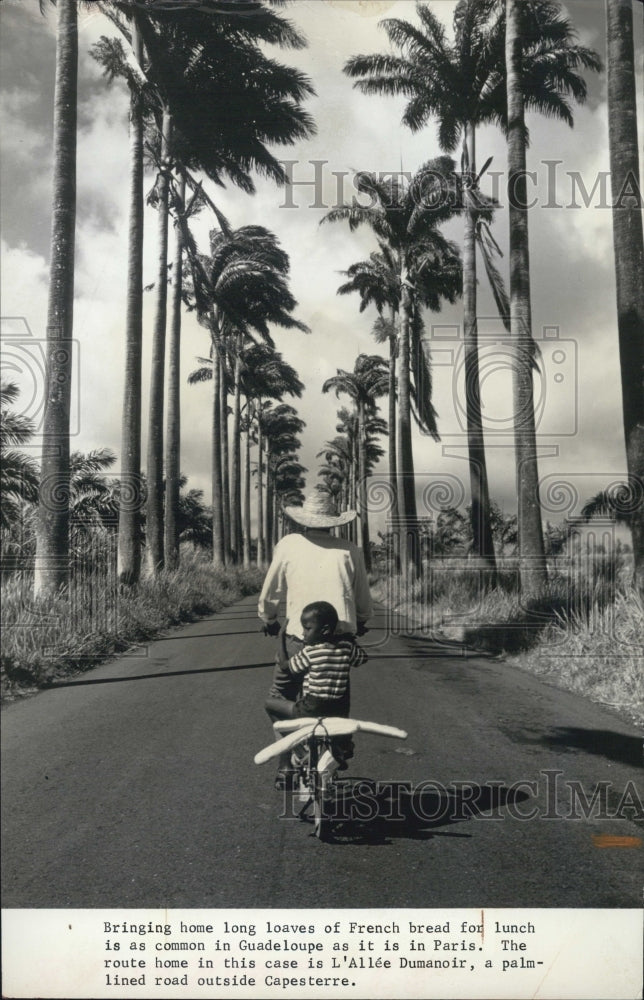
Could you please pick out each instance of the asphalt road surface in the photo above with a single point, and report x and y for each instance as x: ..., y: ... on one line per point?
x: 134, y: 785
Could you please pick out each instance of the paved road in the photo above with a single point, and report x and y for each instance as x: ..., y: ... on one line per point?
x: 134, y: 785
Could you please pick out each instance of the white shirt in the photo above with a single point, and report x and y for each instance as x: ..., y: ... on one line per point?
x: 316, y: 567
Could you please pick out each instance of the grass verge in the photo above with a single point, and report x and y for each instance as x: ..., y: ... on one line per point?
x: 585, y: 634
x: 92, y: 622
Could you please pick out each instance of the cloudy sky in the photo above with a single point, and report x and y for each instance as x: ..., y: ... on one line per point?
x: 577, y: 393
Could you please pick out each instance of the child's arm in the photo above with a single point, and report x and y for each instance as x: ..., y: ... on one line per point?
x: 358, y: 655
x: 300, y: 663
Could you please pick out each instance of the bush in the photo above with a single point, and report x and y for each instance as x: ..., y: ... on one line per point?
x: 96, y: 618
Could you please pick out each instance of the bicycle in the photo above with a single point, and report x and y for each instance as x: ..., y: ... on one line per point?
x: 310, y: 742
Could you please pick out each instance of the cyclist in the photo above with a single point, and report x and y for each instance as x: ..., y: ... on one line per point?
x: 307, y: 567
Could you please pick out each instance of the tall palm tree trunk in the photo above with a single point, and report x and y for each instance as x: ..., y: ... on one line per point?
x: 532, y: 561
x: 628, y: 244
x: 392, y: 431
x: 52, y: 527
x: 225, y: 466
x: 355, y: 472
x: 235, y: 471
x: 246, y: 518
x: 275, y: 520
x: 173, y: 417
x: 483, y: 546
x: 347, y: 529
x: 218, y: 556
x: 268, y: 526
x: 129, y: 541
x: 362, y: 487
x: 154, y: 526
x: 260, y: 488
x: 406, y: 479
x: 393, y: 357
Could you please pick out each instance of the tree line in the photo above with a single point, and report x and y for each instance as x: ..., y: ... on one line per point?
x: 207, y: 102
x: 502, y: 59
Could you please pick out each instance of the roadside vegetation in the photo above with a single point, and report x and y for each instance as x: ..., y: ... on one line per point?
x: 583, y: 634
x: 95, y: 618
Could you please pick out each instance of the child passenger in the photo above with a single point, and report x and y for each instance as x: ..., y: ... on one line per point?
x: 325, y: 662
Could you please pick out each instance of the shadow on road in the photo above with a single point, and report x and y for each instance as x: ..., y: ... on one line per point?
x: 200, y: 635
x: 620, y: 747
x: 369, y: 812
x: 604, y: 742
x: 157, y: 676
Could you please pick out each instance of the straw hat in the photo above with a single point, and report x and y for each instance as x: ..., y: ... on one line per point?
x: 319, y: 510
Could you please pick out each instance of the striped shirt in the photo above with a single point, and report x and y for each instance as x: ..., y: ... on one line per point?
x: 326, y: 666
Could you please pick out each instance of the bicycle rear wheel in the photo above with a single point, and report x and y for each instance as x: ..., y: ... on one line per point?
x: 322, y: 798
x: 302, y: 792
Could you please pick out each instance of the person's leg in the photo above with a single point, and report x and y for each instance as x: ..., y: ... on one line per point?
x: 285, y: 689
x: 277, y: 707
x: 284, y: 683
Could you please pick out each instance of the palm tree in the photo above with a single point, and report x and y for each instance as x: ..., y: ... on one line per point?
x: 260, y: 410
x: 347, y: 428
x: 368, y: 381
x: 280, y: 426
x: 336, y: 470
x: 451, y: 81
x: 19, y: 472
x: 93, y: 503
x: 52, y: 531
x: 193, y: 518
x: 264, y: 374
x: 338, y: 473
x: 173, y: 416
x: 423, y: 269
x: 269, y: 284
x: 615, y: 502
x: 463, y: 85
x: 93, y: 498
x: 541, y: 59
x: 376, y: 281
x: 289, y: 482
x: 629, y: 256
x: 129, y: 542
x: 155, y: 497
x: 191, y: 59
x: 242, y: 287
